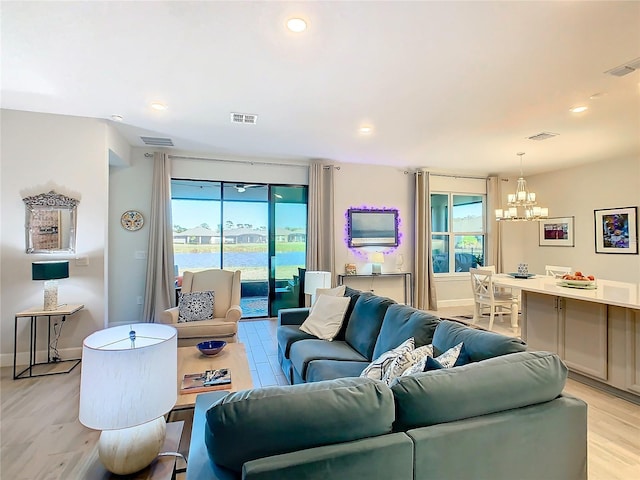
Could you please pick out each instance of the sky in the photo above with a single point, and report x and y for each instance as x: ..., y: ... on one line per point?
x: 192, y: 213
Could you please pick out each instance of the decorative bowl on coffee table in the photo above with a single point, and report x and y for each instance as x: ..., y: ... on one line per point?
x: 211, y: 347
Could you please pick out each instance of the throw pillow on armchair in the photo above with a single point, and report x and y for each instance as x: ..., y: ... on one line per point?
x: 194, y: 306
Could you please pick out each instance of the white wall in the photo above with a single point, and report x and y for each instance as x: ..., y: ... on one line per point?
x: 129, y: 189
x: 374, y: 187
x: 39, y: 153
x: 578, y: 192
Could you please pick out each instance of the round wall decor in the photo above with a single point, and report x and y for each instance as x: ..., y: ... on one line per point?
x: 132, y: 220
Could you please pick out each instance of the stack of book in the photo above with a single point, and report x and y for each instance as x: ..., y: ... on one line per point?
x: 203, y: 382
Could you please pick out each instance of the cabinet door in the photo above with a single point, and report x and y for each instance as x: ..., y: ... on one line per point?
x: 633, y: 350
x: 585, y: 337
x: 540, y: 327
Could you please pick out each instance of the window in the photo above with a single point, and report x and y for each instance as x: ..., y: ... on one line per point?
x: 457, y: 225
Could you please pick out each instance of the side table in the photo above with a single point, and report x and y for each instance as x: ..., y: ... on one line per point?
x: 162, y: 468
x: 33, y: 314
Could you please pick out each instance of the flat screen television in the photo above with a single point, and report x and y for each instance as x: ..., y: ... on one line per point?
x: 372, y: 228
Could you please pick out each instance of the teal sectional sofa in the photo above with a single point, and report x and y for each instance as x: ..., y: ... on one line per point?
x: 501, y: 416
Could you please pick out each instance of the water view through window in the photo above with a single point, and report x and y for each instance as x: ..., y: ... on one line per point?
x: 257, y: 229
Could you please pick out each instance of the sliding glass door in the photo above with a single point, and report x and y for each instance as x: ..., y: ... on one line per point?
x: 258, y: 229
x: 287, y: 246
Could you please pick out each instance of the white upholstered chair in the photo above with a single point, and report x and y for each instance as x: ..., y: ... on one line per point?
x: 485, y: 295
x: 556, y: 270
x: 226, y: 307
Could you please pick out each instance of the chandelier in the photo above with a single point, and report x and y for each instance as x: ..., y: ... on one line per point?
x: 522, y: 203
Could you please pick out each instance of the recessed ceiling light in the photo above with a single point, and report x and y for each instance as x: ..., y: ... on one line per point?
x: 597, y: 96
x: 296, y: 25
x: 158, y: 106
x: 578, y: 109
x: 117, y: 118
x: 365, y: 129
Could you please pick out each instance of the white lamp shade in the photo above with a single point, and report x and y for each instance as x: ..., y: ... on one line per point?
x: 377, y: 257
x: 314, y: 280
x: 122, y: 387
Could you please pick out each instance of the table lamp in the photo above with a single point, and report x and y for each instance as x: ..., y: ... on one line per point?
x: 128, y: 383
x: 377, y: 258
x: 314, y: 280
x: 50, y: 272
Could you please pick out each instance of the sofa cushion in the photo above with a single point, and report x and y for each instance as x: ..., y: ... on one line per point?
x: 478, y: 344
x: 304, y: 351
x: 287, y: 335
x: 326, y: 317
x: 353, y: 295
x: 365, y: 322
x: 319, y: 370
x: 257, y: 423
x: 488, y: 386
x: 401, y: 322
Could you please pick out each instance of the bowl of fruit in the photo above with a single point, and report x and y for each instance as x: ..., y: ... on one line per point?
x: 578, y: 280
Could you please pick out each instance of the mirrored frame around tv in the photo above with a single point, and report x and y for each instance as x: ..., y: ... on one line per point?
x: 372, y: 227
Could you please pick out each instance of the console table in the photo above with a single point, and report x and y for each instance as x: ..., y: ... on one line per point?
x: 33, y: 314
x: 406, y: 276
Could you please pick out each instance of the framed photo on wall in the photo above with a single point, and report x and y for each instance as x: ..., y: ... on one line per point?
x: 616, y: 230
x: 556, y: 232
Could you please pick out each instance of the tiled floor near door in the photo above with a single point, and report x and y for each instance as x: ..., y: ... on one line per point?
x: 259, y: 337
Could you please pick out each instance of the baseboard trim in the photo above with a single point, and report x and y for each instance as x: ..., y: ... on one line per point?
x: 22, y: 358
x: 628, y: 396
x: 460, y: 302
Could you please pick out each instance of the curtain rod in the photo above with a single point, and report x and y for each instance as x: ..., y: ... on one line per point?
x: 246, y: 162
x: 451, y: 176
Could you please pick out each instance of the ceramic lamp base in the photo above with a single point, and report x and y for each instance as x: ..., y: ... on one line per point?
x: 51, y: 295
x: 129, y: 450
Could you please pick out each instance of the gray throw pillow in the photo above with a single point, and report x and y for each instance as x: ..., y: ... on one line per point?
x: 195, y: 306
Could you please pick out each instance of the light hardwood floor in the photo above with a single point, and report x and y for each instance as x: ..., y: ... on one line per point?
x: 41, y: 438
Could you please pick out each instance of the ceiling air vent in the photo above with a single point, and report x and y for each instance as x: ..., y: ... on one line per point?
x: 157, y: 141
x: 542, y: 136
x: 625, y: 68
x: 249, y: 118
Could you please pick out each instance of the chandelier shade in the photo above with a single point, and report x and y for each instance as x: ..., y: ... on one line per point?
x: 522, y: 205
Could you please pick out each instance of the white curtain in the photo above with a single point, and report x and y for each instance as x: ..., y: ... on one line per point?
x: 424, y: 285
x: 159, y: 293
x: 493, y: 248
x: 320, y: 230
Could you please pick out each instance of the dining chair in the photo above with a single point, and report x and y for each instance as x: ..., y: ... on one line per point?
x: 556, y: 270
x: 486, y: 296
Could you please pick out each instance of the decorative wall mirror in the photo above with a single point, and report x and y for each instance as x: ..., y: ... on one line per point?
x: 50, y: 223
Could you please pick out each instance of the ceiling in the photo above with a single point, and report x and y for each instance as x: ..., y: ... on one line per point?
x: 454, y: 86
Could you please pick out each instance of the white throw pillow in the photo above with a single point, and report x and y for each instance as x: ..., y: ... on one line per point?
x: 326, y: 318
x: 408, y: 361
x: 376, y: 369
x: 332, y: 292
x: 448, y: 359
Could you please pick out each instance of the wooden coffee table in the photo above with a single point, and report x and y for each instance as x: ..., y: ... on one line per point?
x: 233, y: 357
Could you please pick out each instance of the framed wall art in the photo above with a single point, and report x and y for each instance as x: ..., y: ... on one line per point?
x: 616, y: 230
x: 556, y: 232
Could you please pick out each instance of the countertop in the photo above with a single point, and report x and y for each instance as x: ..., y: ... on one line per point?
x: 610, y: 292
